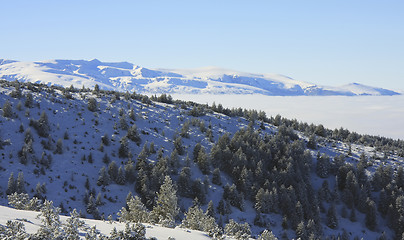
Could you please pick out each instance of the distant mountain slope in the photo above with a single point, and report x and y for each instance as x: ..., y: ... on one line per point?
x: 124, y: 76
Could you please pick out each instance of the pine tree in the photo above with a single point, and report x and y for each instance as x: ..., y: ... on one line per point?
x: 370, y: 218
x: 123, y: 148
x: 133, y: 134
x: 92, y: 104
x: 332, y: 221
x: 267, y: 235
x: 42, y: 125
x: 29, y: 100
x: 238, y: 230
x: 20, y: 185
x: 12, y: 184
x: 113, y: 170
x: 210, y: 211
x: 103, y: 177
x: 130, y: 172
x: 166, y: 208
x: 71, y: 228
x: 136, y: 212
x: 7, y: 110
x: 323, y: 166
x: 203, y: 161
x: 121, y: 178
x: 59, y: 146
x: 216, y: 179
x: 51, y: 225
x: 196, y: 219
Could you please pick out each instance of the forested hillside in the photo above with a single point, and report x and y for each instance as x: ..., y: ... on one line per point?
x: 153, y: 159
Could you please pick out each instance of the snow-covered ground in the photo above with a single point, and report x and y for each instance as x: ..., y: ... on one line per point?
x: 374, y: 115
x: 32, y: 223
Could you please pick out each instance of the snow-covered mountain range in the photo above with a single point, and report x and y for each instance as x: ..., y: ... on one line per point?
x: 124, y: 76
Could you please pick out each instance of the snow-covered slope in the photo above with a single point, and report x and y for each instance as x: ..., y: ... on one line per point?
x: 124, y: 76
x: 66, y: 166
x: 32, y: 223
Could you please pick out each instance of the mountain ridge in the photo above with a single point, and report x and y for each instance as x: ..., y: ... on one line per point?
x: 125, y: 76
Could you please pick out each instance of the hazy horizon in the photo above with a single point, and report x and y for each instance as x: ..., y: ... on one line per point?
x: 373, y: 115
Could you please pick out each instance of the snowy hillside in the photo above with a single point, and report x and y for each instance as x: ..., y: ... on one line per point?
x: 95, y: 150
x: 124, y: 76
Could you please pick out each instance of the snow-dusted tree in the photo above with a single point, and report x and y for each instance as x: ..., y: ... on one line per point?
x: 29, y: 100
x: 7, y: 110
x: 370, y: 219
x: 166, y: 208
x: 123, y: 124
x: 103, y: 177
x: 22, y: 201
x: 178, y: 145
x: 301, y: 232
x: 312, y: 144
x: 136, y: 212
x: 237, y: 230
x: 323, y: 166
x: 113, y: 170
x: 133, y: 134
x: 216, y: 178
x: 196, y: 219
x: 12, y: 184
x: 203, y: 161
x: 51, y: 225
x: 93, y: 234
x: 332, y: 220
x: 59, y: 146
x: 72, y: 226
x: 92, y: 104
x: 210, y: 211
x: 20, y: 183
x: 184, y: 182
x: 13, y: 230
x: 267, y: 235
x: 130, y: 171
x: 135, y: 231
x: 132, y: 114
x: 42, y: 125
x: 121, y: 178
x: 123, y: 148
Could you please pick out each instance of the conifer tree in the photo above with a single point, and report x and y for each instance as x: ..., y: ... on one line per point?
x: 113, y: 170
x: 370, y: 218
x: 51, y: 225
x: 42, y: 125
x: 72, y: 226
x: 332, y: 221
x: 196, y: 219
x: 267, y: 235
x: 136, y: 212
x: 7, y: 110
x: 12, y: 184
x: 92, y: 104
x: 323, y: 166
x: 121, y: 178
x: 103, y: 177
x: 20, y: 183
x: 166, y: 208
x: 123, y: 148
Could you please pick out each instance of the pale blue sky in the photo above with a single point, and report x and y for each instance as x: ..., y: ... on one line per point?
x: 324, y: 42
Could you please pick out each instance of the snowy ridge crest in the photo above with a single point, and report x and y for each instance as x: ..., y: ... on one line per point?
x: 124, y: 76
